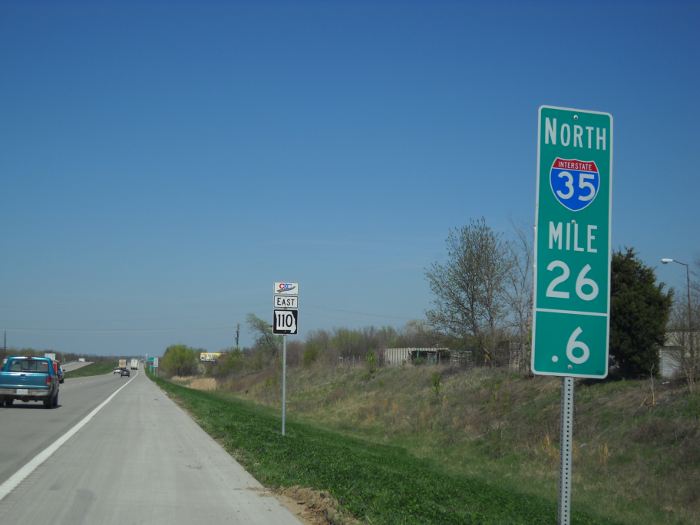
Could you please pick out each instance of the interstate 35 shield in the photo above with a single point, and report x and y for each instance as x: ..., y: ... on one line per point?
x: 574, y: 182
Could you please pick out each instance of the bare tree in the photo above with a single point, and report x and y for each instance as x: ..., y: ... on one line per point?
x: 469, y: 299
x: 518, y: 294
x: 683, y: 337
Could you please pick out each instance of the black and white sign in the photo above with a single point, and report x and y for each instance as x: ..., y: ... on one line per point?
x: 286, y: 301
x: 285, y: 321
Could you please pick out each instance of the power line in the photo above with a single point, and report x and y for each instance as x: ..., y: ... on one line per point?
x: 365, y: 314
x: 120, y: 330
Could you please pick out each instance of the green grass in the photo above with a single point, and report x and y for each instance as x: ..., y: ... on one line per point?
x: 376, y: 483
x: 93, y: 369
x: 634, y: 462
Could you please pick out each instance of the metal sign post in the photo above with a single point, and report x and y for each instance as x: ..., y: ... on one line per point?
x: 566, y: 439
x: 284, y: 383
x: 285, y: 317
x: 571, y: 307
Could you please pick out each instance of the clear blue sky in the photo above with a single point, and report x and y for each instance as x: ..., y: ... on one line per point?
x: 162, y: 163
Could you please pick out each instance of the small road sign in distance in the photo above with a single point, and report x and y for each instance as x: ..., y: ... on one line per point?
x: 286, y: 288
x: 572, y: 243
x: 285, y: 321
x: 286, y: 301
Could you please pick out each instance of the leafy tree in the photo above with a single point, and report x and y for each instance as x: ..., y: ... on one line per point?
x: 312, y: 351
x: 639, y: 312
x: 228, y: 364
x: 418, y: 333
x: 469, y: 289
x: 180, y: 360
x: 267, y: 345
x: 318, y: 347
x: 265, y: 339
x: 349, y: 342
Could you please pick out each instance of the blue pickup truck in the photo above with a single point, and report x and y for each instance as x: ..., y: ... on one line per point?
x: 29, y: 379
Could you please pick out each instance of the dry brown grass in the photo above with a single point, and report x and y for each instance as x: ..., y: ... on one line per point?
x: 196, y: 382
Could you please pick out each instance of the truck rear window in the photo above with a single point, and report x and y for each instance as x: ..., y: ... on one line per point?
x: 29, y: 366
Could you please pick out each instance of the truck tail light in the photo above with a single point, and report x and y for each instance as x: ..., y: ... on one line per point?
x: 48, y: 379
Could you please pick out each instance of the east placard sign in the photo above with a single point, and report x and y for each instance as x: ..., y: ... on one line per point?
x: 572, y: 243
x: 286, y: 301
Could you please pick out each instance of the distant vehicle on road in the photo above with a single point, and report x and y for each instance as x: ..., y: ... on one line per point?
x: 59, y: 371
x: 134, y: 364
x: 117, y: 371
x: 125, y: 372
x: 122, y: 363
x: 29, y: 379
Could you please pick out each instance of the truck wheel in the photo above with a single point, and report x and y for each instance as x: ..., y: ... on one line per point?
x: 48, y: 402
x: 55, y: 401
x: 8, y: 402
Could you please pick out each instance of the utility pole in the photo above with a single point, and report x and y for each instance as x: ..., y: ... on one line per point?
x: 667, y: 260
x: 238, y: 333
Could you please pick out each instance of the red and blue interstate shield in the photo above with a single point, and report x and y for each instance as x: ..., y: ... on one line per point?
x: 574, y: 182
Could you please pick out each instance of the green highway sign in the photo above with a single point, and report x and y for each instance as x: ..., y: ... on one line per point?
x: 570, y: 328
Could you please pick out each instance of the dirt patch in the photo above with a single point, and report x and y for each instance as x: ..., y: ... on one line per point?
x: 314, y: 507
x: 198, y: 383
x: 203, y: 383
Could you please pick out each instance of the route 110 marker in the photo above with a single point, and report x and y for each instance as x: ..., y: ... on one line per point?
x: 285, y: 317
x: 285, y: 321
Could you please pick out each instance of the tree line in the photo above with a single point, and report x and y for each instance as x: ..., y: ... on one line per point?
x: 481, y: 303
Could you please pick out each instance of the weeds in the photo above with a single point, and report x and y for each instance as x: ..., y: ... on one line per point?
x: 436, y: 380
x: 376, y: 483
x: 635, y: 463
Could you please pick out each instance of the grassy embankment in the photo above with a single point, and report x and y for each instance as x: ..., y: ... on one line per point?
x: 377, y: 483
x: 93, y: 369
x: 636, y: 454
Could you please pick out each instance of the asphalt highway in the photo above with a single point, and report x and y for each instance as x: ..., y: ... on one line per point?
x: 139, y: 460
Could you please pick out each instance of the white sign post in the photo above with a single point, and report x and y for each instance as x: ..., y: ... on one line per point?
x: 284, y: 321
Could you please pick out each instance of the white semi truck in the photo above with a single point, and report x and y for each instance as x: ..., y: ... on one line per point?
x: 134, y: 364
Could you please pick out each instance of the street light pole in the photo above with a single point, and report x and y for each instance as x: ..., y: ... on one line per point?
x: 666, y: 260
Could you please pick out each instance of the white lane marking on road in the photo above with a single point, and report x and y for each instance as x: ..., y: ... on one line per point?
x: 19, y: 476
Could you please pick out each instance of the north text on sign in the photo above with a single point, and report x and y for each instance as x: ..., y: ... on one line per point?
x: 577, y: 136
